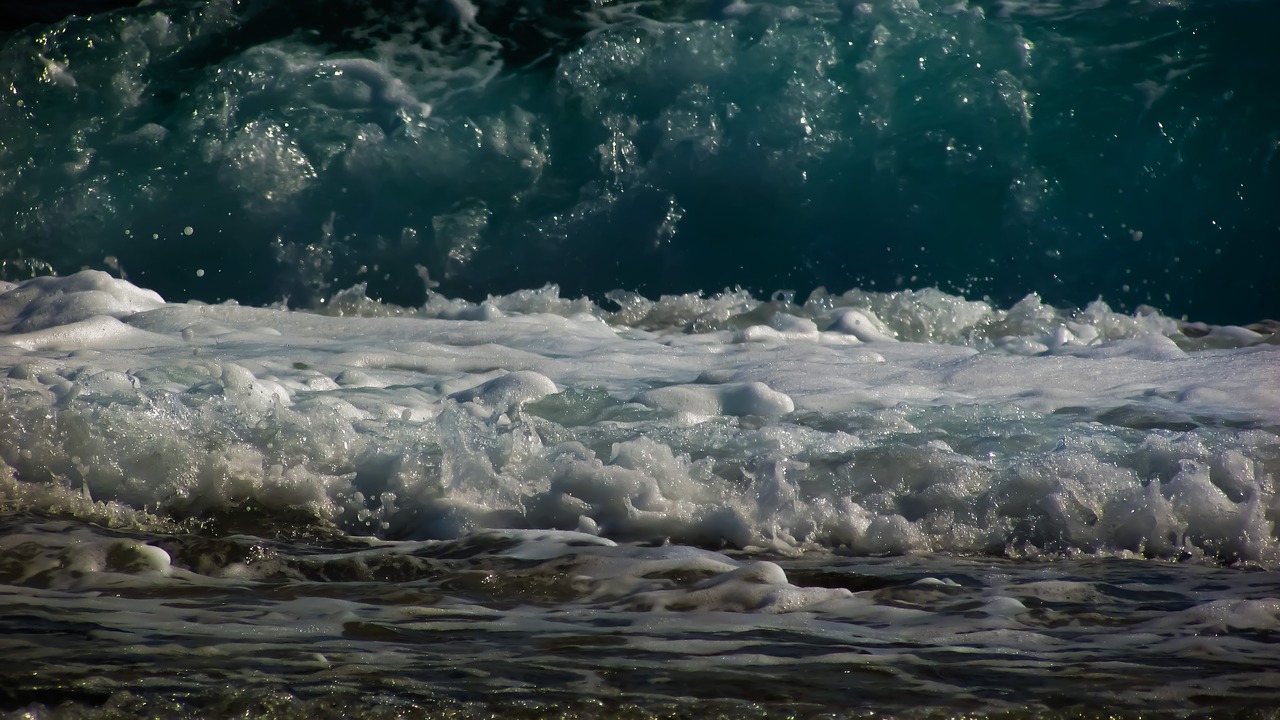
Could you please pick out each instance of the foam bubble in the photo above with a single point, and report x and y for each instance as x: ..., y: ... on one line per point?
x: 863, y: 325
x: 507, y: 391
x: 752, y: 398
x: 555, y: 414
x: 47, y: 302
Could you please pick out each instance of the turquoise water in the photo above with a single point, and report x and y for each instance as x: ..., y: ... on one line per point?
x: 1123, y: 150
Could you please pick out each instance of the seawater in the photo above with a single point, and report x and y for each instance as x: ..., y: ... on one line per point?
x: 258, y: 149
x: 355, y: 360
x: 901, y: 504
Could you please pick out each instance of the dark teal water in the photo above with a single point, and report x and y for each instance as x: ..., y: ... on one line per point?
x: 1126, y: 150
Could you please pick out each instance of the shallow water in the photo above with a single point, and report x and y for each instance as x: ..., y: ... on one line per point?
x: 531, y: 623
x: 697, y: 506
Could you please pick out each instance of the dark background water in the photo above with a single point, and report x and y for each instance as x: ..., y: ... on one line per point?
x: 1127, y: 150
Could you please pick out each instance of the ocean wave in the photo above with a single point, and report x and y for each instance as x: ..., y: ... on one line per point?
x: 909, y: 423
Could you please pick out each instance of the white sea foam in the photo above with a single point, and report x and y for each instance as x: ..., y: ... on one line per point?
x: 1115, y: 436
